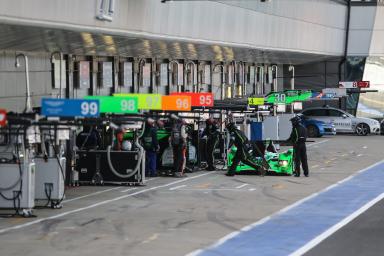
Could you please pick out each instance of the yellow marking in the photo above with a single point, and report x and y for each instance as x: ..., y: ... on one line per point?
x: 151, y: 238
x: 205, y: 185
x: 17, y: 220
x: 327, y: 162
x: 278, y: 186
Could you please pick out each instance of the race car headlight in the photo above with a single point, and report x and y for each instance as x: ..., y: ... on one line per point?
x: 283, y: 163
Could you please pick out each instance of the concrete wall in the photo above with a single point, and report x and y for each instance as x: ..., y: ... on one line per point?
x: 315, y: 26
x: 13, y: 85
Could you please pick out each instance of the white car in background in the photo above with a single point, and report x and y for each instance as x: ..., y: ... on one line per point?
x: 343, y: 121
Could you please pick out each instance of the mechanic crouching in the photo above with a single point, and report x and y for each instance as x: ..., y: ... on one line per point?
x: 298, y: 138
x: 242, y: 155
x: 151, y: 146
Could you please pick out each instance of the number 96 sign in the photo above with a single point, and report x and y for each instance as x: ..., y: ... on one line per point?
x: 176, y: 103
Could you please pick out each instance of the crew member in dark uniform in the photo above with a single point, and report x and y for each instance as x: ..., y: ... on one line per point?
x: 242, y: 154
x: 178, y: 141
x: 298, y: 138
x: 212, y: 132
x: 151, y: 146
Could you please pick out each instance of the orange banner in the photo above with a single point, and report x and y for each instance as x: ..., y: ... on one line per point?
x: 176, y: 103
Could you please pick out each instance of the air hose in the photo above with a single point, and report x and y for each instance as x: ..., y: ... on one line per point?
x: 18, y: 181
x: 137, y: 167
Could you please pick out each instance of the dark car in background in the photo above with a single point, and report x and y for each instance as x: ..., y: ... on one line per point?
x: 317, y: 128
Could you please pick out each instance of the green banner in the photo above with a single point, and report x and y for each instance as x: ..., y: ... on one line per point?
x: 288, y: 96
x: 117, y: 105
x: 146, y: 101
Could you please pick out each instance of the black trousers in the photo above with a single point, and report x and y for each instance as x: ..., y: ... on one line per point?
x: 300, y: 157
x: 179, y: 157
x: 211, y: 145
x: 241, y: 156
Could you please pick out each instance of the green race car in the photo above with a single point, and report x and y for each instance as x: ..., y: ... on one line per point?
x: 279, y: 163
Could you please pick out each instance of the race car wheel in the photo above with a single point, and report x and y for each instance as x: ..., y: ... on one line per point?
x: 313, y: 131
x: 362, y: 129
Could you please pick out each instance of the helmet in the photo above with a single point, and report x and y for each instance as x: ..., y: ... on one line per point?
x: 160, y: 123
x: 150, y: 121
x: 210, y: 121
x: 126, y: 145
x: 295, y: 120
x: 231, y: 126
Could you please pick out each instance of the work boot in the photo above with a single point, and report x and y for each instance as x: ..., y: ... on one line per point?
x: 179, y: 175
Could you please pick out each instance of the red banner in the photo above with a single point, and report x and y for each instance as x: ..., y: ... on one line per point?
x: 203, y: 99
x: 3, y: 117
x: 363, y: 84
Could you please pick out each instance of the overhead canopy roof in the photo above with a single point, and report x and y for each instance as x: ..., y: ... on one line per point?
x: 43, y: 39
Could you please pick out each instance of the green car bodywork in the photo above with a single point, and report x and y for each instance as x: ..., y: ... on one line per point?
x: 161, y: 134
x: 279, y: 163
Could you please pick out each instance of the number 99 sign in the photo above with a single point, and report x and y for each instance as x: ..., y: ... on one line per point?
x: 89, y: 108
x: 176, y: 103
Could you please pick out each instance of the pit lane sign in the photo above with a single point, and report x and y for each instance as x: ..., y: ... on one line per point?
x: 288, y: 96
x: 334, y: 92
x: 203, y: 99
x: 3, y: 117
x: 255, y: 101
x: 146, y: 101
x: 70, y: 107
x: 176, y: 103
x: 354, y: 84
x: 116, y: 105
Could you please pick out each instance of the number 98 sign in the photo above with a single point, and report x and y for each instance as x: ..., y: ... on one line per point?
x: 176, y: 103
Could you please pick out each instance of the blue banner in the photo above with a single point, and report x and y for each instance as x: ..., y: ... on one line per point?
x: 70, y: 108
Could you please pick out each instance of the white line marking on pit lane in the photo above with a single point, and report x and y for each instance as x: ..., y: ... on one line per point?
x: 92, y: 194
x: 152, y: 179
x: 336, y: 227
x: 100, y: 192
x: 100, y: 203
x: 130, y: 189
x: 241, y: 186
x: 174, y: 188
x: 265, y: 219
x: 211, y: 189
x: 313, y: 167
x: 359, y: 155
x: 317, y: 143
x: 252, y: 189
